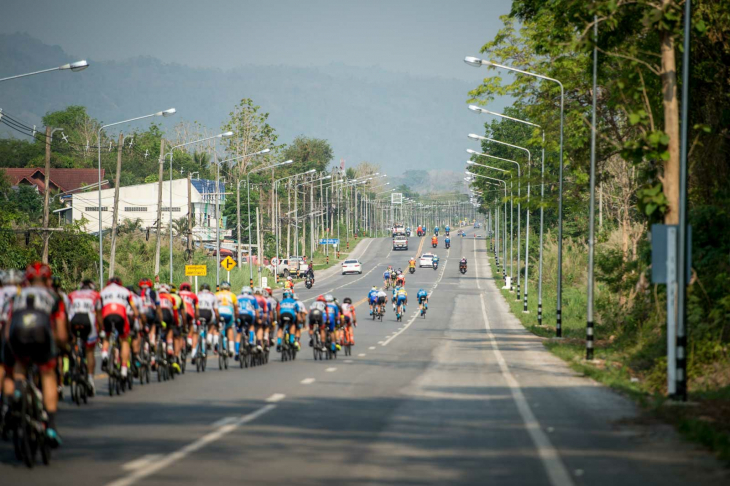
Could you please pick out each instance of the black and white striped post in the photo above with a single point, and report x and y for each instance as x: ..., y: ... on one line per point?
x: 592, y: 205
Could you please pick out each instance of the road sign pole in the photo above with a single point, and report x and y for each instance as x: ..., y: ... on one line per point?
x: 196, y: 284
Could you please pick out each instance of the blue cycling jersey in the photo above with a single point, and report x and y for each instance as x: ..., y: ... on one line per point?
x: 288, y: 306
x: 247, y: 305
x: 386, y: 274
x: 373, y: 295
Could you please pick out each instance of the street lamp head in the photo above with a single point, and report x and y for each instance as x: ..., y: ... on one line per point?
x: 474, y: 136
x: 327, y: 177
x: 76, y: 66
x: 225, y: 135
x: 469, y: 161
x: 473, y: 61
x: 310, y: 171
x: 166, y: 113
x: 473, y: 152
x: 468, y: 173
x: 477, y: 109
x: 286, y: 162
x: 266, y: 151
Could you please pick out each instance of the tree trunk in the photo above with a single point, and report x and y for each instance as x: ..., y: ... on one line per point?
x: 671, y: 124
x: 161, y: 169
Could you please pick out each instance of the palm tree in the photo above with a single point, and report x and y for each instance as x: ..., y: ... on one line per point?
x: 180, y: 226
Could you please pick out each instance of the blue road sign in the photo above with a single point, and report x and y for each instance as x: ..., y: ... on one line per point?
x: 330, y: 241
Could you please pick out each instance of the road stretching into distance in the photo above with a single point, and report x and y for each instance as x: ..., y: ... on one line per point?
x: 464, y: 396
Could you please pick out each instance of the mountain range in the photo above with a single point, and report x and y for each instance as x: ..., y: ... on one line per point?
x: 399, y: 121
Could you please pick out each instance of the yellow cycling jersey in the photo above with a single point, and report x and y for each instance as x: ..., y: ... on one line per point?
x: 226, y: 298
x: 402, y: 292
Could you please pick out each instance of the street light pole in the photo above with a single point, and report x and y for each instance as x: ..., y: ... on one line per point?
x: 165, y: 113
x: 74, y: 67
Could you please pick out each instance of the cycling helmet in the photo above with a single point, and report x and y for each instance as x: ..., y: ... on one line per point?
x: 374, y: 288
x: 13, y: 277
x: 257, y: 291
x: 268, y: 291
x: 145, y: 282
x: 320, y: 298
x: 37, y: 270
x: 87, y: 284
x: 173, y: 289
x: 420, y: 290
x: 185, y: 286
x: 287, y: 294
x: 164, y: 288
x: 288, y: 278
x: 225, y: 285
x: 205, y: 287
x: 329, y: 298
x: 246, y: 290
x: 347, y: 300
x: 114, y: 280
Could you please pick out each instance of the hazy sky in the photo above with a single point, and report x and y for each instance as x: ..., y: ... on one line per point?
x: 428, y: 37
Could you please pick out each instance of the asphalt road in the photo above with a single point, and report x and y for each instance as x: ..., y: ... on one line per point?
x: 464, y: 396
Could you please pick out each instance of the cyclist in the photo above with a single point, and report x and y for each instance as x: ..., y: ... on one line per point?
x: 382, y: 299
x: 393, y: 277
x: 262, y: 325
x: 401, y: 280
x: 135, y: 328
x: 248, y: 315
x: 401, y: 300
x: 11, y: 286
x: 317, y: 313
x: 37, y: 322
x: 180, y: 326
x: 350, y: 321
x: 386, y: 277
x: 152, y: 311
x: 228, y: 312
x: 301, y: 318
x: 422, y: 296
x: 192, y: 313
x: 273, y: 306
x: 208, y: 316
x: 334, y: 319
x: 373, y: 298
x: 287, y: 316
x: 84, y: 317
x: 394, y: 295
x: 116, y: 301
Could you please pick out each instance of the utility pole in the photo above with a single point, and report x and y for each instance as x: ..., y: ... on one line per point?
x: 115, y: 213
x: 46, y: 195
x: 259, y: 253
x: 159, y: 210
x: 190, y: 222
x: 238, y: 225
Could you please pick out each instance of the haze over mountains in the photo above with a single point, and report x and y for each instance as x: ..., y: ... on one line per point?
x: 399, y: 121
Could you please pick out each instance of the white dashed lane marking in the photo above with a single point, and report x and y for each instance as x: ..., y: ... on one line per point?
x: 276, y: 397
x: 307, y: 381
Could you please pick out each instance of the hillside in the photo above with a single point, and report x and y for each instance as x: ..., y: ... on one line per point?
x: 399, y: 121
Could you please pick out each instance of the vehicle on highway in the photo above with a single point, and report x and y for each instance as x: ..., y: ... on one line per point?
x: 400, y: 242
x: 462, y: 266
x: 426, y: 260
x: 351, y: 266
x: 291, y: 266
x: 399, y: 230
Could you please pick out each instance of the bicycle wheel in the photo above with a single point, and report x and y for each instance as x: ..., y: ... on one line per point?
x: 112, y: 386
x: 39, y: 435
x: 22, y: 434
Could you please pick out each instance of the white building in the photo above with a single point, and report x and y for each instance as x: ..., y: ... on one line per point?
x: 140, y: 202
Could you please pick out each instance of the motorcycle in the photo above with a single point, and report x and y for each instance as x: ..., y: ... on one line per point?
x: 447, y: 233
x: 462, y: 268
x: 434, y: 244
x: 412, y: 269
x: 408, y: 233
x: 448, y: 245
x: 435, y: 265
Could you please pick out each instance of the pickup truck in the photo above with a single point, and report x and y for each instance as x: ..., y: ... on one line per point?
x: 291, y: 266
x: 399, y: 230
x: 400, y: 243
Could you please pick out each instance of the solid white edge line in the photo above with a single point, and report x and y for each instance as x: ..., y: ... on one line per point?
x: 557, y: 472
x: 190, y: 448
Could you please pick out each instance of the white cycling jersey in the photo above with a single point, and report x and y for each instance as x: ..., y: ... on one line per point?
x: 207, y: 300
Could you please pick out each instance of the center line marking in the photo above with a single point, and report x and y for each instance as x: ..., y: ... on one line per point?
x: 361, y: 355
x: 223, y: 421
x: 330, y: 370
x: 307, y: 381
x: 276, y: 397
x: 371, y: 347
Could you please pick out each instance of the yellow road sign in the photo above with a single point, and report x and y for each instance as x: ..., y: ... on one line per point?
x: 196, y: 270
x: 228, y: 263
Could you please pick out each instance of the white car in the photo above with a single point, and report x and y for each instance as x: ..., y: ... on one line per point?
x: 426, y: 260
x: 351, y: 266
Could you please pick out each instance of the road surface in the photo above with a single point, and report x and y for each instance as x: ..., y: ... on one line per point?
x: 464, y: 396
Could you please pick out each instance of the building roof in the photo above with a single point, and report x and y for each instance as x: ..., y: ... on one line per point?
x: 61, y: 179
